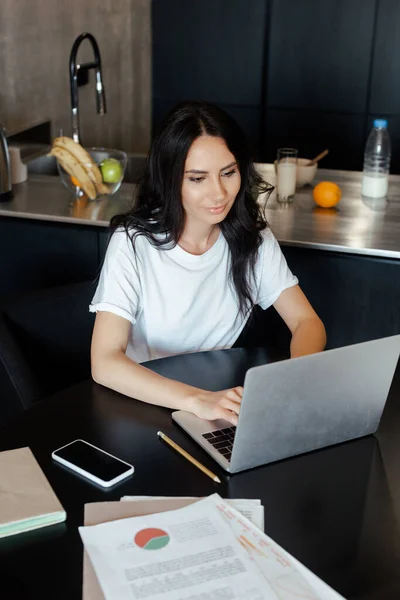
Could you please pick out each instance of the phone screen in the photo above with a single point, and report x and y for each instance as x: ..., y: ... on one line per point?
x: 92, y: 460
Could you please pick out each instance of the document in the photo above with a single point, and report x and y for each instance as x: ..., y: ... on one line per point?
x: 249, y: 508
x: 289, y: 579
x: 189, y: 554
x: 207, y: 550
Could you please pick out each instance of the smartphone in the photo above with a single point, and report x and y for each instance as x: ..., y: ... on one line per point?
x: 92, y: 462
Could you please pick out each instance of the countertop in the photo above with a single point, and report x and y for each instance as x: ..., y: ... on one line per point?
x: 44, y: 198
x: 358, y: 225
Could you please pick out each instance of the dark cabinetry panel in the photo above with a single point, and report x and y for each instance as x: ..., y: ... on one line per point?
x: 208, y: 50
x: 103, y: 243
x: 357, y: 297
x: 250, y: 121
x: 38, y: 255
x: 312, y: 131
x: 385, y: 83
x: 319, y: 54
x: 249, y: 118
x: 252, y: 58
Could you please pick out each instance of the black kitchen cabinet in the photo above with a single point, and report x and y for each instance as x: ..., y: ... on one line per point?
x: 248, y: 117
x: 309, y: 73
x: 37, y: 255
x: 209, y: 50
x: 385, y: 80
x: 319, y: 54
x: 103, y: 243
x: 348, y: 291
x: 312, y: 131
x: 357, y: 298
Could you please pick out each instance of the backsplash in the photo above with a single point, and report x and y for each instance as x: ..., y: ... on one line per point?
x: 35, y: 43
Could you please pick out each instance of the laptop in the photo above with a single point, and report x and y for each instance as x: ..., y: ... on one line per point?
x: 301, y: 404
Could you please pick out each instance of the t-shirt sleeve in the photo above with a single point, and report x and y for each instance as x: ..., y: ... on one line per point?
x: 118, y: 290
x: 272, y: 273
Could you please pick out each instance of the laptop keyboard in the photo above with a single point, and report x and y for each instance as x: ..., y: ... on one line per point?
x: 222, y: 440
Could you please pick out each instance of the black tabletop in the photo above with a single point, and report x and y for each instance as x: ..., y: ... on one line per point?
x: 337, y: 510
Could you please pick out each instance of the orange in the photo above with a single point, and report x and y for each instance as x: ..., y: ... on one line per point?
x: 317, y: 210
x: 75, y: 181
x: 327, y: 194
x: 79, y: 207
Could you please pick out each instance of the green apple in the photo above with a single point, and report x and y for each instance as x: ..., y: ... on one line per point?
x: 111, y: 170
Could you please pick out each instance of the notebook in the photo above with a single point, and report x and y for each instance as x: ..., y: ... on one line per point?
x: 27, y: 501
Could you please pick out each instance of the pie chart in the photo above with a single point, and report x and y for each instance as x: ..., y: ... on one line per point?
x: 151, y: 538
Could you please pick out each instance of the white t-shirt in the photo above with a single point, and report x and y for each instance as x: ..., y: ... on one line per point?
x: 178, y: 302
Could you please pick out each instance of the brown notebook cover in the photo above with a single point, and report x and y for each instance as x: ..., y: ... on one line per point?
x: 27, y: 500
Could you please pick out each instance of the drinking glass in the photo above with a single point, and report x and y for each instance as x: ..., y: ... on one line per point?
x: 286, y: 167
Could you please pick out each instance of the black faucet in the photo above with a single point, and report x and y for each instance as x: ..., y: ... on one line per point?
x: 79, y: 73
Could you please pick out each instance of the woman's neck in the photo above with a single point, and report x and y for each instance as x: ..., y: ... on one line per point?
x: 197, y: 240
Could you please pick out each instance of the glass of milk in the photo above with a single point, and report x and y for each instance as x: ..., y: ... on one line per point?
x: 286, y: 168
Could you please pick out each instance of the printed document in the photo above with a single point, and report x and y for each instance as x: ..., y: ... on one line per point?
x: 190, y: 554
x: 205, y: 551
x: 289, y: 579
x: 249, y: 508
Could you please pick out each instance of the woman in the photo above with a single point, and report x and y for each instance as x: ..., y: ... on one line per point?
x: 187, y: 264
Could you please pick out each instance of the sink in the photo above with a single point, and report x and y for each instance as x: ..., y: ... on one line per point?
x: 43, y: 165
x: 47, y: 165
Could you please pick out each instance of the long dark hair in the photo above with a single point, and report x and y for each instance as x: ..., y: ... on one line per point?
x: 158, y: 209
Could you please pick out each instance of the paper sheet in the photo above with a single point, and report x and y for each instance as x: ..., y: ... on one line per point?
x: 186, y: 554
x: 196, y: 547
x: 249, y: 508
x: 289, y: 579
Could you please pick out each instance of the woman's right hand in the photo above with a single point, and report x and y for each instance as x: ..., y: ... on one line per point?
x: 217, y: 405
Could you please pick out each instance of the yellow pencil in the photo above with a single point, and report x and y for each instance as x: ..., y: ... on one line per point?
x: 188, y: 456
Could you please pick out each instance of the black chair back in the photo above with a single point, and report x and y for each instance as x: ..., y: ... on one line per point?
x: 45, y: 339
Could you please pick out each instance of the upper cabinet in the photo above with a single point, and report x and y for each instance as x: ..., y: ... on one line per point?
x: 385, y: 84
x: 320, y: 54
x: 209, y: 50
x: 311, y: 131
x: 309, y: 73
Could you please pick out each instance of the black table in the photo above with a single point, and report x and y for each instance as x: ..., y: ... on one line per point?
x: 337, y: 509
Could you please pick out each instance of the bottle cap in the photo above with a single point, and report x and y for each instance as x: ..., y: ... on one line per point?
x: 380, y: 123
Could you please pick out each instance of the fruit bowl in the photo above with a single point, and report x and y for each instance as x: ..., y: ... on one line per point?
x: 102, y: 176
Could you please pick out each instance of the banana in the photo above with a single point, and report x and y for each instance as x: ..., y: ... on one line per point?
x: 74, y: 168
x: 85, y: 159
x: 102, y: 188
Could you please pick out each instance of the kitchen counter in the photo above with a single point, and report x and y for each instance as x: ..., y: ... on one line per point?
x: 44, y: 198
x: 357, y: 226
x: 347, y: 259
